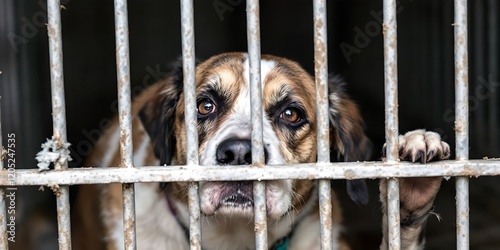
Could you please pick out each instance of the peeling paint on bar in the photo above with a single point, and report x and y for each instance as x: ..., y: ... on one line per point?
x: 58, y: 116
x: 194, y: 216
x: 123, y: 76
x: 260, y: 227
x: 325, y: 210
x: 3, y: 215
x: 321, y: 79
x: 125, y: 119
x: 258, y: 159
x: 343, y: 170
x: 393, y: 216
x: 462, y: 120
x: 391, y: 118
x: 128, y: 193
x: 188, y: 64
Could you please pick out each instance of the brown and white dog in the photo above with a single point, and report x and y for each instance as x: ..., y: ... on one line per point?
x: 224, y: 127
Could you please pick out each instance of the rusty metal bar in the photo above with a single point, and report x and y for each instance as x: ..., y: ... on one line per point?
x: 58, y: 117
x: 461, y: 81
x: 188, y: 63
x: 391, y: 118
x: 123, y: 75
x: 321, y: 79
x: 342, y: 170
x: 3, y: 215
x: 260, y: 219
x: 462, y: 120
x: 125, y: 119
x: 259, y: 187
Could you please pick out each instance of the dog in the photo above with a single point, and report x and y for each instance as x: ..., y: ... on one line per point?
x: 224, y: 134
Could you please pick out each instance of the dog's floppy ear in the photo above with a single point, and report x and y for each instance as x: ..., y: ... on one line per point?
x: 347, y: 136
x: 158, y: 114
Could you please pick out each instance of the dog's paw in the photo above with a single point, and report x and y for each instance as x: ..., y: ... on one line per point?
x: 421, y: 145
x: 417, y: 194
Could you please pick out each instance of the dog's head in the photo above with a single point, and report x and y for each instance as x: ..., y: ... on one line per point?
x: 224, y: 127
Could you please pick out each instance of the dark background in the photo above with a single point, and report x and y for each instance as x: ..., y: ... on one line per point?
x: 426, y: 85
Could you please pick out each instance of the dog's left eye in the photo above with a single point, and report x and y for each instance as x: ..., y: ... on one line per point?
x: 206, y: 107
x: 291, y: 115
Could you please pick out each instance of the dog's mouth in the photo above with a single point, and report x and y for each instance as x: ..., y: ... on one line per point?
x: 238, y: 199
x: 235, y: 197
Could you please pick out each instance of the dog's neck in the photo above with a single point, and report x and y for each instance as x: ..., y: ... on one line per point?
x: 226, y: 232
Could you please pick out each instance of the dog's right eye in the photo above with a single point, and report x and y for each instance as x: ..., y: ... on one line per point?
x: 206, y: 107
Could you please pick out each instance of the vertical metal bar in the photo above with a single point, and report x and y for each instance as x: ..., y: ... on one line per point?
x: 321, y: 79
x: 391, y: 118
x: 462, y: 120
x: 258, y: 160
x: 58, y: 115
x: 462, y: 200
x: 259, y: 190
x: 125, y: 118
x: 123, y: 74
x: 3, y: 215
x: 188, y: 61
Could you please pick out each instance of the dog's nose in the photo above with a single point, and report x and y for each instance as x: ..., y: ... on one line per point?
x: 236, y: 152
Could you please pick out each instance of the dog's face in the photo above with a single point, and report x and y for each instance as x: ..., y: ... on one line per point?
x: 224, y: 130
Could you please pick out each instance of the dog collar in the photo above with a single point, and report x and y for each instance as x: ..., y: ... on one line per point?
x: 282, y: 244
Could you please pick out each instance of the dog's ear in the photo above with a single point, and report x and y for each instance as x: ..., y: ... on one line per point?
x: 158, y: 114
x: 347, y: 136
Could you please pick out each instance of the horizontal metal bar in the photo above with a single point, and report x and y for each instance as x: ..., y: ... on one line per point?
x: 344, y: 170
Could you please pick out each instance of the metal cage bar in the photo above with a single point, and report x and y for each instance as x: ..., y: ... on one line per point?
x: 461, y: 120
x: 391, y: 119
x: 58, y: 116
x: 188, y: 63
x: 125, y: 119
x: 323, y: 143
x: 174, y: 173
x: 258, y: 159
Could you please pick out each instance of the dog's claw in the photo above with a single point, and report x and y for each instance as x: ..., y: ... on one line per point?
x: 430, y: 155
x: 422, y: 146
